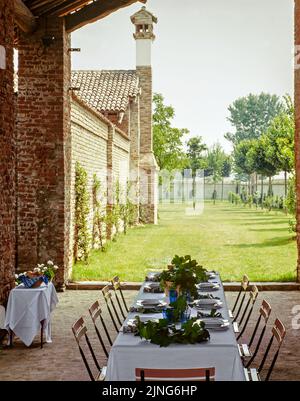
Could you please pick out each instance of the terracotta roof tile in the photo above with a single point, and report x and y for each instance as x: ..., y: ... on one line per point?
x: 105, y: 90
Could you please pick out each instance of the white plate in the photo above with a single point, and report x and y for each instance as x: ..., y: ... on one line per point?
x: 152, y: 285
x: 159, y: 303
x: 208, y: 287
x: 149, y: 302
x: 215, y: 322
x: 207, y: 301
x: 214, y: 305
x: 211, y: 275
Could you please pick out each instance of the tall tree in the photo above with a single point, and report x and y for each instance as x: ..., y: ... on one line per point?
x: 241, y: 160
x: 167, y: 140
x: 196, y: 159
x: 252, y: 115
x: 225, y: 171
x: 215, y: 161
x: 258, y: 161
x: 281, y: 134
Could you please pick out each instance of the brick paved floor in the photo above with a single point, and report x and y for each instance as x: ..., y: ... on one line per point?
x: 61, y: 360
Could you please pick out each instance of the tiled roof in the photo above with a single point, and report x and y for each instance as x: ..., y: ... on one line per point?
x: 106, y: 90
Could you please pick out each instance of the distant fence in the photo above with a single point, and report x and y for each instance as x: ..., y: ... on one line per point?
x: 182, y: 191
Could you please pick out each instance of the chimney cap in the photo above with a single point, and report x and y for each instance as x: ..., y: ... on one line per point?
x: 143, y: 16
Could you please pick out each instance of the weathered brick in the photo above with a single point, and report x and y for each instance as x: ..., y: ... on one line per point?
x: 44, y: 162
x: 297, y: 120
x: 7, y: 155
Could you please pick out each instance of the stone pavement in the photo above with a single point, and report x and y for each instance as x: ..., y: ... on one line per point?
x: 61, y: 359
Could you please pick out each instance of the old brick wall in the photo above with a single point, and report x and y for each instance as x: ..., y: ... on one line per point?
x: 297, y: 120
x: 7, y: 154
x: 121, y: 153
x: 100, y: 148
x: 44, y: 149
x: 89, y: 148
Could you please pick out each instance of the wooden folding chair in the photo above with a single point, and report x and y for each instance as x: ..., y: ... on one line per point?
x: 116, y: 284
x: 278, y: 334
x: 253, y: 294
x: 196, y: 374
x: 80, y: 331
x: 234, y: 313
x: 111, y: 308
x: 96, y: 314
x: 244, y: 349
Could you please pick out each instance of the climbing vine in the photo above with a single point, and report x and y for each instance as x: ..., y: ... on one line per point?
x: 82, y: 199
x: 99, y: 216
x: 291, y: 201
x: 127, y: 210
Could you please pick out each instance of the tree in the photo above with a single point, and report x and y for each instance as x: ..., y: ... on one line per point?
x: 167, y: 140
x: 258, y: 160
x: 225, y: 171
x: 82, y: 211
x: 252, y: 115
x: 281, y: 134
x: 196, y: 159
x: 215, y: 160
x: 241, y: 160
x: 291, y: 202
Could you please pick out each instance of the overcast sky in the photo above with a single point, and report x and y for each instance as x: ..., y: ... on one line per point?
x: 207, y: 53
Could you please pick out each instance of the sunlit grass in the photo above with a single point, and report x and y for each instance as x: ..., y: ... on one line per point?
x: 231, y: 239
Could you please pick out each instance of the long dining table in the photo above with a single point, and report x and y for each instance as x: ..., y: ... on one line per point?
x: 221, y: 351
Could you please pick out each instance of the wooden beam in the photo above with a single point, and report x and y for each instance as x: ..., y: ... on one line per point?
x: 68, y: 6
x: 95, y: 11
x: 24, y: 17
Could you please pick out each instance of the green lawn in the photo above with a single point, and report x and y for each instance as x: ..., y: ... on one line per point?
x: 231, y: 239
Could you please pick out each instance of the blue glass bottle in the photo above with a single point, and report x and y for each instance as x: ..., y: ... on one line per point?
x: 173, y: 296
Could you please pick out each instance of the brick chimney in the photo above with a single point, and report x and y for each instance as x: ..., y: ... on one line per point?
x: 144, y: 36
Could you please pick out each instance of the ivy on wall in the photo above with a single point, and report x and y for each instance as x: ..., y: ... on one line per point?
x: 99, y: 217
x: 82, y: 210
x: 128, y: 210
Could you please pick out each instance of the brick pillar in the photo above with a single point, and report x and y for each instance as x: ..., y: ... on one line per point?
x: 148, y: 165
x: 44, y: 149
x: 297, y: 121
x: 135, y: 154
x: 7, y: 152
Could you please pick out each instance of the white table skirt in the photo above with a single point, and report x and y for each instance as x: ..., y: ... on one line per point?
x: 27, y: 308
x: 221, y: 352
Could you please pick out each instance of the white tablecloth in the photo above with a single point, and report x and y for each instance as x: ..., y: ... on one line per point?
x: 27, y: 308
x: 130, y: 352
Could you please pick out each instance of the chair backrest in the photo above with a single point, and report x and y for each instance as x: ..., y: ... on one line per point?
x: 80, y: 332
x: 278, y: 334
x: 109, y: 303
x: 96, y: 314
x: 264, y: 314
x: 79, y: 329
x: 116, y: 284
x: 241, y: 296
x: 253, y: 294
x: 106, y: 293
x: 195, y: 374
x: 265, y: 310
x: 245, y: 282
x: 279, y: 331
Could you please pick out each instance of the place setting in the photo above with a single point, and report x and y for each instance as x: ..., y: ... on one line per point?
x: 148, y: 306
x: 153, y: 287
